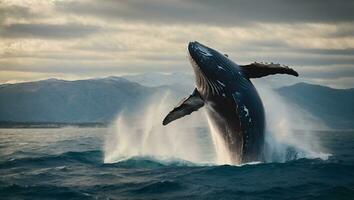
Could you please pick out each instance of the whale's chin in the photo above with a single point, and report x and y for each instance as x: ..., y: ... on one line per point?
x: 200, y: 81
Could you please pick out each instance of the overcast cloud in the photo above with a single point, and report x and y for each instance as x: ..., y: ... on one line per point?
x: 89, y: 38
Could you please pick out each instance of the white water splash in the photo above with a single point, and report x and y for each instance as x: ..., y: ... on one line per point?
x: 289, y: 133
x: 142, y: 134
x: 223, y: 155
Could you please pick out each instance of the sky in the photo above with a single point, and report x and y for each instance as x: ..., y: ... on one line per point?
x: 80, y: 39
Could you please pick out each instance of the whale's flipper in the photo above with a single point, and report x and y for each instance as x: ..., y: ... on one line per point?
x: 185, y: 107
x: 257, y: 70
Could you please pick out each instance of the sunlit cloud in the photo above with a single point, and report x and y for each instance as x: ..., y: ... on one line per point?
x: 88, y: 38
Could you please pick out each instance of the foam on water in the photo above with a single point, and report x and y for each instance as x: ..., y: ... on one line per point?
x: 142, y: 134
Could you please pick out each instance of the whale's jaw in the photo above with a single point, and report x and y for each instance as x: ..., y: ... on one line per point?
x: 201, y: 81
x: 205, y: 80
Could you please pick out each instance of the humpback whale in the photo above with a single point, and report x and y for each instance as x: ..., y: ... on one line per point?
x: 232, y: 102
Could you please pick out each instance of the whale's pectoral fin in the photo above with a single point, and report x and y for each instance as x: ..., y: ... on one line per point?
x: 257, y: 70
x: 185, y: 107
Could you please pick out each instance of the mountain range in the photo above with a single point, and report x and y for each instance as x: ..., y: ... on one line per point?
x: 52, y: 100
x: 100, y: 100
x: 335, y: 107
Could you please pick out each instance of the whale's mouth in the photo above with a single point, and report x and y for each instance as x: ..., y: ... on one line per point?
x: 204, y: 84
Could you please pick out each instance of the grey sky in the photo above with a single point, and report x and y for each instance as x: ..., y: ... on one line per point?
x: 89, y: 38
x: 46, y: 31
x: 222, y: 12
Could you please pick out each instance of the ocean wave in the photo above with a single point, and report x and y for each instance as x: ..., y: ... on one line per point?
x: 41, y: 192
x: 85, y: 157
x: 151, y: 162
x: 83, y: 175
x: 96, y: 158
x: 159, y: 187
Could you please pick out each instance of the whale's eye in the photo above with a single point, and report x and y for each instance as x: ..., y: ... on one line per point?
x: 226, y: 55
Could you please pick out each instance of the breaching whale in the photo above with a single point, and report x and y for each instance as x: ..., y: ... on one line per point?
x: 231, y: 100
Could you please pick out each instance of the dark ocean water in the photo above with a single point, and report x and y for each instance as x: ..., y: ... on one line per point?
x: 68, y: 163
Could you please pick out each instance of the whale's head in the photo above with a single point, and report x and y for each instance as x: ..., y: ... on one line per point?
x: 212, y: 69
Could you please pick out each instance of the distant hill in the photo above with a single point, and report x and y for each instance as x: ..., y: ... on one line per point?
x: 335, y: 107
x: 52, y: 100
x: 99, y: 100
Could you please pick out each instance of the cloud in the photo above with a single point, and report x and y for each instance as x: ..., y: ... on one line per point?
x: 329, y: 72
x: 15, y: 11
x: 88, y: 38
x: 47, y: 31
x: 343, y: 82
x: 345, y: 30
x: 220, y: 13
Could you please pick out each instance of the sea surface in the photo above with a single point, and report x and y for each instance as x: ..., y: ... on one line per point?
x: 67, y: 163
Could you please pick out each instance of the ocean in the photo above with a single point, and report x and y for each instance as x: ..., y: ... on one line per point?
x: 68, y: 163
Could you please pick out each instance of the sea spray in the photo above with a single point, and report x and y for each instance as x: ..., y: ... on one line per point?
x: 142, y: 134
x: 289, y: 130
x: 194, y: 138
x: 222, y: 154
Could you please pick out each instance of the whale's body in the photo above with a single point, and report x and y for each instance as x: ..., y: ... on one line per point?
x: 231, y: 100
